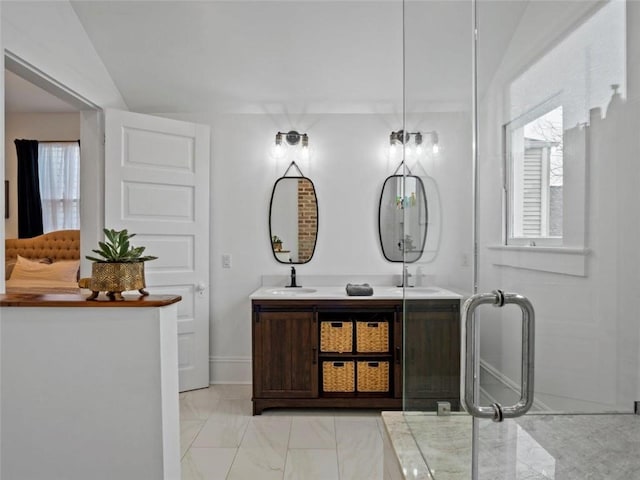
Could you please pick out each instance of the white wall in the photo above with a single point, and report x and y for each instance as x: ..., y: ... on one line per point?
x: 348, y: 165
x: 32, y: 126
x: 447, y: 260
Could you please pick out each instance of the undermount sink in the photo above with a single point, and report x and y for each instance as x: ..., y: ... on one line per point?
x: 292, y: 291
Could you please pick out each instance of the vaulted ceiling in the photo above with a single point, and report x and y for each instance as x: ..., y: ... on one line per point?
x: 314, y: 56
x: 284, y: 56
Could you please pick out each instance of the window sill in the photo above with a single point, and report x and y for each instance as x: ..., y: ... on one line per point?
x: 563, y: 260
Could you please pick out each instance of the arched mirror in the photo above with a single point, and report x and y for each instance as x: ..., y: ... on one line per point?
x: 293, y: 220
x: 402, y: 218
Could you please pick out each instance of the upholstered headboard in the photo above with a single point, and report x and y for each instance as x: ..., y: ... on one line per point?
x: 58, y: 245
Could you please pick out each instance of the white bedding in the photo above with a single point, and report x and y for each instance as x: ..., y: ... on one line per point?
x: 39, y: 287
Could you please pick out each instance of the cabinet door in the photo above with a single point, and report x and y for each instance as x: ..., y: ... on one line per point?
x: 285, y: 347
x: 432, y: 353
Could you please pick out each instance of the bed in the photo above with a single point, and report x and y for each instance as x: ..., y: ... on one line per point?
x: 48, y: 263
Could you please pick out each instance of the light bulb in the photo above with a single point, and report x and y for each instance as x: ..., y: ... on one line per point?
x: 393, y: 150
x: 278, y: 150
x: 418, y: 138
x: 408, y: 151
x: 304, y: 152
x: 434, y: 142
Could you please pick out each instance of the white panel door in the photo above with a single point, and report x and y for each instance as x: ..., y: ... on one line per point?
x: 157, y: 186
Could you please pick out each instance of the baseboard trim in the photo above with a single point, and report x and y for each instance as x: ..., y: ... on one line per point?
x: 229, y: 370
x: 509, y: 384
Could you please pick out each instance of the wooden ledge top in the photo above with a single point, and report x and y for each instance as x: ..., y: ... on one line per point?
x: 78, y: 300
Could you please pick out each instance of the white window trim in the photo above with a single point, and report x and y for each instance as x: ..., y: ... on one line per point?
x: 559, y: 260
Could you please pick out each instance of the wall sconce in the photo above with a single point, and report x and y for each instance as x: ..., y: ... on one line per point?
x: 399, y: 138
x: 293, y: 139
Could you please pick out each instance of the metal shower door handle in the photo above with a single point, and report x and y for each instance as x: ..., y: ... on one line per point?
x: 470, y: 361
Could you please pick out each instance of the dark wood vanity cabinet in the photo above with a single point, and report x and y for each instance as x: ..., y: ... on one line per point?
x: 349, y: 353
x: 285, y: 354
x: 432, y: 354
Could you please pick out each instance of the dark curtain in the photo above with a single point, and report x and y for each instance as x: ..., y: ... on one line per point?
x: 29, y: 203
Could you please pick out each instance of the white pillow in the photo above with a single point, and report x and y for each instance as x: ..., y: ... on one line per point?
x: 62, y: 271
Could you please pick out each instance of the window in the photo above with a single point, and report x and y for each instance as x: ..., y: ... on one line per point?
x: 59, y: 171
x: 534, y: 145
x: 552, y: 108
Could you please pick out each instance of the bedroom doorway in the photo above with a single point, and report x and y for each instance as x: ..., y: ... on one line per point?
x: 34, y: 114
x: 39, y: 108
x: 175, y: 273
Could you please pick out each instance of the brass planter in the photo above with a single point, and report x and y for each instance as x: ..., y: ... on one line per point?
x: 115, y: 278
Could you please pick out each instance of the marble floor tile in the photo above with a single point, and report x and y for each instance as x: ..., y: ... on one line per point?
x: 300, y: 412
x: 359, y: 447
x: 533, y: 447
x: 311, y: 464
x: 189, y: 429
x: 207, y: 463
x: 198, y: 404
x: 225, y: 427
x: 222, y: 440
x: 268, y: 433
x: 234, y: 407
x: 234, y: 392
x: 312, y: 432
x: 258, y: 463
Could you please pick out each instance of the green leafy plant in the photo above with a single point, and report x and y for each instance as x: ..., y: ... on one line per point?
x: 276, y: 239
x: 118, y: 249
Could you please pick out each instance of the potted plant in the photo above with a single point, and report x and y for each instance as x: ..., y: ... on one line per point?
x: 118, y: 268
x: 276, y: 243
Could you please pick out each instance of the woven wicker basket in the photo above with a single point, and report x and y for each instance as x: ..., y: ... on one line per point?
x: 338, y: 377
x: 372, y: 336
x: 373, y: 376
x: 336, y: 337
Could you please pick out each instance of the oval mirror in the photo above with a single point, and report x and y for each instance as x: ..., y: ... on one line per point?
x: 293, y: 220
x: 402, y: 218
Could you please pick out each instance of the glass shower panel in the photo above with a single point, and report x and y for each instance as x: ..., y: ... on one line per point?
x: 538, y: 162
x: 438, y: 126
x: 558, y: 178
x: 556, y: 216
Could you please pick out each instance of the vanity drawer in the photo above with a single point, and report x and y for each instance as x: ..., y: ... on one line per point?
x: 338, y: 376
x: 336, y: 336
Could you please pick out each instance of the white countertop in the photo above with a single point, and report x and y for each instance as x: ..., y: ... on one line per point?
x: 339, y: 293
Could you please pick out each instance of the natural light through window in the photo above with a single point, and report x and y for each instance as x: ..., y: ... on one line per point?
x: 536, y: 162
x: 551, y: 105
x: 59, y: 171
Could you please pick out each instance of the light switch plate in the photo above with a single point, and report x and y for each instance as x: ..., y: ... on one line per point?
x: 226, y: 260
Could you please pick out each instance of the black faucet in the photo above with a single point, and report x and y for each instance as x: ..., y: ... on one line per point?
x: 293, y: 279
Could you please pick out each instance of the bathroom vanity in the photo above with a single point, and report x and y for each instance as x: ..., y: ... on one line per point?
x: 318, y: 347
